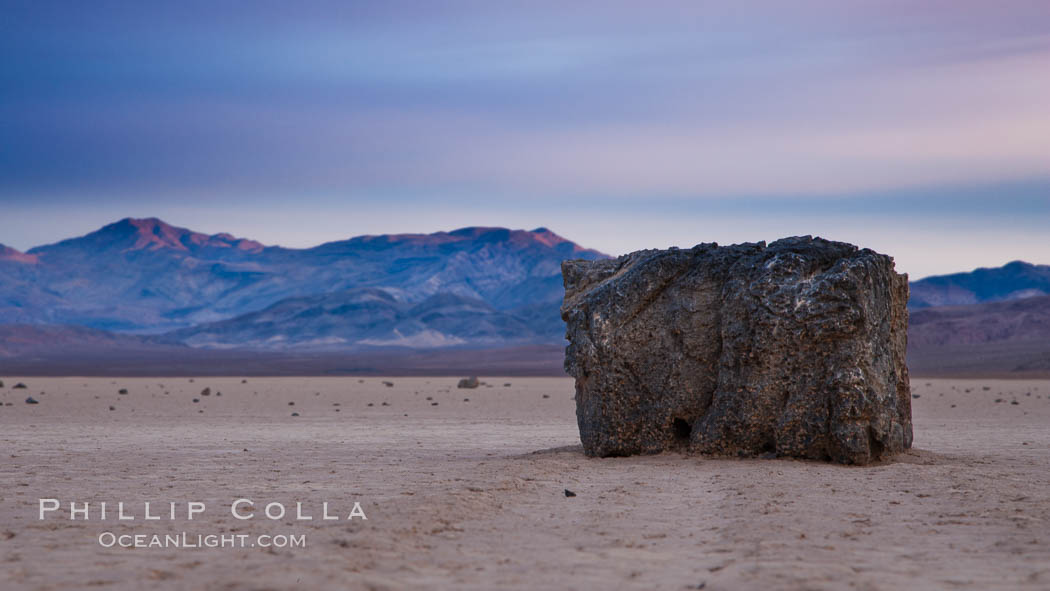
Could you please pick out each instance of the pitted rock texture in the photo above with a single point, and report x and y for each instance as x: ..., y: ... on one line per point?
x: 795, y: 348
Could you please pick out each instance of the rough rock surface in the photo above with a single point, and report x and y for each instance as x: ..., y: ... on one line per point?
x: 795, y: 348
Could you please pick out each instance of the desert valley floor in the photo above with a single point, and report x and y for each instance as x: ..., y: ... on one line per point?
x: 469, y: 494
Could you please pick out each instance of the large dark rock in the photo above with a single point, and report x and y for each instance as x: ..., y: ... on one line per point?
x: 795, y: 348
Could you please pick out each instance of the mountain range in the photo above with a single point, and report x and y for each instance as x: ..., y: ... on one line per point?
x: 1013, y: 281
x: 473, y: 286
x: 146, y: 286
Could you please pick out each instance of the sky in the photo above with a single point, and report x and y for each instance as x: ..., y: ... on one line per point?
x: 918, y: 128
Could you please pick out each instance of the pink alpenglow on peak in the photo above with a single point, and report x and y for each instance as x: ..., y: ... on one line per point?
x: 152, y: 234
x: 9, y: 254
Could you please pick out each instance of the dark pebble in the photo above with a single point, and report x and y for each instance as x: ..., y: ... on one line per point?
x: 569, y: 493
x: 195, y: 400
x: 122, y: 391
x: 295, y: 414
x: 112, y: 408
x: 31, y: 400
x: 19, y: 386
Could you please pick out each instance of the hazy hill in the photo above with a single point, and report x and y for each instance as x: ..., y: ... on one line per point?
x: 1001, y: 338
x: 1012, y: 281
x: 474, y: 285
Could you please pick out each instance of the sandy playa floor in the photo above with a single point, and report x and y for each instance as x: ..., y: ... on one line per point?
x: 469, y: 495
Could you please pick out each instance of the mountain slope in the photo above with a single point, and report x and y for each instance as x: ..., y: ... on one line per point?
x: 372, y: 317
x: 143, y: 275
x: 1012, y: 281
x: 20, y: 340
x: 1018, y: 320
x: 1000, y: 338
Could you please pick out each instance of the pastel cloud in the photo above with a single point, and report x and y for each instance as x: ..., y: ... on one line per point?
x: 421, y: 106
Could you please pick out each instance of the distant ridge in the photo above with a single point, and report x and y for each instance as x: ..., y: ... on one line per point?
x: 1016, y: 280
x: 498, y: 286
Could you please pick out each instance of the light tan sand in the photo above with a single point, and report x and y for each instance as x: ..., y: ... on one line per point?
x: 469, y: 495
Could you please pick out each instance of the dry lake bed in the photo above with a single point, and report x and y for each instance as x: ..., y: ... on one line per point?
x: 470, y: 494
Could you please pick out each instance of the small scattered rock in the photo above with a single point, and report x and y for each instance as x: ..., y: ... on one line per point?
x: 507, y: 385
x: 546, y: 395
x: 244, y: 381
x: 386, y: 404
x: 291, y: 404
x: 206, y: 392
x: 915, y: 395
x: 1014, y: 402
x: 122, y: 391
x: 433, y: 404
x: 19, y: 386
x: 295, y: 414
x: 466, y: 400
x: 218, y: 393
x: 388, y: 384
x: 31, y: 400
x: 370, y: 404
x: 112, y: 408
x: 471, y: 382
x: 196, y: 400
x: 569, y: 493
